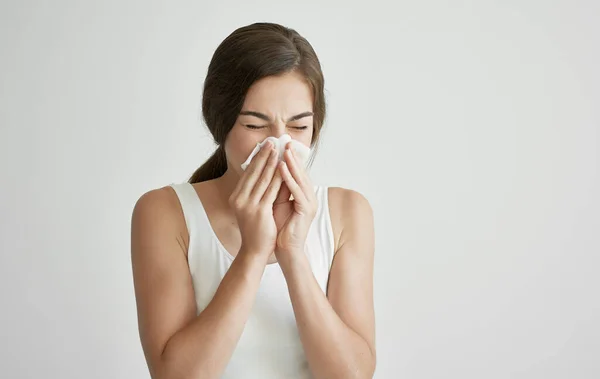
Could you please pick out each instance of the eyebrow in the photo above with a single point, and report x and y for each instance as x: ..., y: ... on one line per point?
x: 266, y: 118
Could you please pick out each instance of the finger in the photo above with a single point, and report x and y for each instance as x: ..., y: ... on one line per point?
x: 265, y: 178
x: 284, y: 192
x: 254, y: 170
x: 271, y: 194
x: 291, y: 183
x: 297, y: 172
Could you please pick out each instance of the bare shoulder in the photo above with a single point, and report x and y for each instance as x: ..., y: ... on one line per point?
x: 349, y: 197
x: 158, y: 212
x: 349, y: 209
x: 162, y: 200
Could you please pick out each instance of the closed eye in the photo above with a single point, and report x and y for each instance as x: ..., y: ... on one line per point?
x: 262, y: 126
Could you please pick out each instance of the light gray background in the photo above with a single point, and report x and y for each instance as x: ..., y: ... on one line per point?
x: 472, y: 127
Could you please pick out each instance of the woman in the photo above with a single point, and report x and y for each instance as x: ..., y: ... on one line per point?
x: 256, y: 273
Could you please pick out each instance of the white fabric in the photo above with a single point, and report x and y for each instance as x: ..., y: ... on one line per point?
x: 302, y: 151
x: 270, y: 345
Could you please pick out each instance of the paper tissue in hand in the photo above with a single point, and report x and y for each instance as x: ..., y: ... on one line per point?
x: 301, y: 151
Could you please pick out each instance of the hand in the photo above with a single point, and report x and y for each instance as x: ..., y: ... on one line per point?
x: 293, y: 217
x: 252, y: 202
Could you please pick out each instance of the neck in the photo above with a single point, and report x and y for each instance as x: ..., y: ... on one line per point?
x: 227, y: 183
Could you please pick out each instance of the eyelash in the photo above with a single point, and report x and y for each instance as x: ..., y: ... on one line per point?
x: 260, y: 127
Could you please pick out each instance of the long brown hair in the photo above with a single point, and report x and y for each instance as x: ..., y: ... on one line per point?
x: 248, y: 54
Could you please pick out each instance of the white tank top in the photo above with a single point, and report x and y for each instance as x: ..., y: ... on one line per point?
x: 270, y: 345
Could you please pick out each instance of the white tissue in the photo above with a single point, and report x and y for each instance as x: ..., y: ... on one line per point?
x: 301, y: 151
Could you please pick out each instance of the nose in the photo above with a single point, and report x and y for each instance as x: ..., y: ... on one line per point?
x: 278, y: 129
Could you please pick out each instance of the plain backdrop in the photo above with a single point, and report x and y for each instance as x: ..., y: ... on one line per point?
x: 472, y: 127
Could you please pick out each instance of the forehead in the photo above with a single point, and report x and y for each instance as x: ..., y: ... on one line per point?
x: 283, y: 93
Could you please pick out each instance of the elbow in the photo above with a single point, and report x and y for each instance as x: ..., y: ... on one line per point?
x: 371, y: 365
x: 363, y: 369
x: 366, y: 372
x: 174, y: 371
x: 174, y: 374
x: 370, y: 371
x: 165, y: 369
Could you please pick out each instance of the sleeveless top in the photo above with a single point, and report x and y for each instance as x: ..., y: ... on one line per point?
x: 269, y: 346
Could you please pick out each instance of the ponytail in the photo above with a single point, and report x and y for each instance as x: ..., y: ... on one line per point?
x: 213, y: 168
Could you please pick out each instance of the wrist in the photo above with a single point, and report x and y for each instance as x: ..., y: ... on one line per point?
x: 293, y: 261
x: 253, y: 255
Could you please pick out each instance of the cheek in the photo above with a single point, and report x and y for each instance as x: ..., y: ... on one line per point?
x: 305, y: 138
x: 239, y: 145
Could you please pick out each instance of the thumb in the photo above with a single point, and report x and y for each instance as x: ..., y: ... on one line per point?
x: 284, y: 194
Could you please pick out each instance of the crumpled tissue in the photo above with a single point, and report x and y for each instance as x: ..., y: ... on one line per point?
x: 301, y: 151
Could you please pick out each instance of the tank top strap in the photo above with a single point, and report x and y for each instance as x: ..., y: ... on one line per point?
x: 190, y: 204
x: 323, y: 227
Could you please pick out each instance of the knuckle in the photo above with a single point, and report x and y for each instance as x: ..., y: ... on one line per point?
x: 243, y: 210
x: 251, y: 210
x: 265, y: 180
x: 264, y: 153
x: 264, y: 210
x: 237, y: 203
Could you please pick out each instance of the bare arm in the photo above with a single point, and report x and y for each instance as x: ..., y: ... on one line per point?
x: 176, y: 342
x: 338, y: 331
